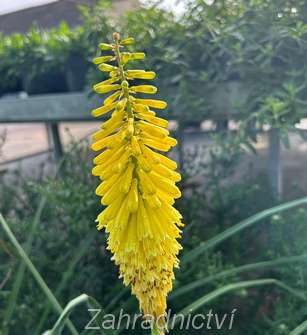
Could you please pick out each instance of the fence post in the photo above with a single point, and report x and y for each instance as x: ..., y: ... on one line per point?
x: 274, y: 163
x: 54, y: 139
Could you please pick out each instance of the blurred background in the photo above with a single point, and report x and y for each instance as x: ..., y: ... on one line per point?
x: 234, y: 74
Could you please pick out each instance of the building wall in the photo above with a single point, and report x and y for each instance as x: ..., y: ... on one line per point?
x: 51, y: 15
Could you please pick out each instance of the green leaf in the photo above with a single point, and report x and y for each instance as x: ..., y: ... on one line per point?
x: 238, y: 286
x: 117, y: 298
x: 240, y: 269
x: 21, y: 270
x: 40, y: 281
x: 62, y: 320
x: 65, y: 279
x: 300, y: 329
x: 213, y: 242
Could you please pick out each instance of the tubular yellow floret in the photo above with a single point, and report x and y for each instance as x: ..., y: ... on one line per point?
x: 104, y: 109
x: 149, y: 89
x: 159, y: 104
x: 105, y: 46
x: 99, y: 60
x: 140, y: 74
x: 138, y: 184
x: 106, y: 88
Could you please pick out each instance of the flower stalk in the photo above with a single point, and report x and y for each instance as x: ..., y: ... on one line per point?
x: 138, y: 183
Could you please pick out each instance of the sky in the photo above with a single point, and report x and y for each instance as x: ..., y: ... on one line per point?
x: 7, y: 6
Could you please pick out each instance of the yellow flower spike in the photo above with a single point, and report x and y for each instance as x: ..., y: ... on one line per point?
x: 138, y: 183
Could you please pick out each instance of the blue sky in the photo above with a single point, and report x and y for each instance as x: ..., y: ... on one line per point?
x: 7, y: 6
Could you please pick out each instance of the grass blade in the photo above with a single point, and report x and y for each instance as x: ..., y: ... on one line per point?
x: 40, y: 281
x: 203, y: 247
x: 238, y: 286
x: 65, y: 279
x: 300, y: 329
x: 21, y: 270
x: 82, y: 299
x: 240, y: 269
x: 117, y: 298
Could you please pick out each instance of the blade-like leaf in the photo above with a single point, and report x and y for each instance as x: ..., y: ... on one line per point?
x: 238, y: 286
x: 240, y: 269
x: 82, y: 299
x: 299, y: 329
x: 117, y: 298
x: 204, y: 246
x: 65, y: 279
x: 40, y: 281
x: 21, y: 270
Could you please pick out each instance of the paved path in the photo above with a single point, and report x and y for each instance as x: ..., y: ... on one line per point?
x: 31, y: 138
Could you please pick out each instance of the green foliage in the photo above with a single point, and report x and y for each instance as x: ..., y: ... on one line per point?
x: 50, y: 61
x: 66, y: 233
x: 258, y: 45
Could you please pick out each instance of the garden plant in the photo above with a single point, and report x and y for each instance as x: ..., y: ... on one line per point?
x: 244, y: 249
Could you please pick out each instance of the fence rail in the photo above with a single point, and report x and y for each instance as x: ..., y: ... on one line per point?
x: 47, y: 108
x: 54, y: 108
